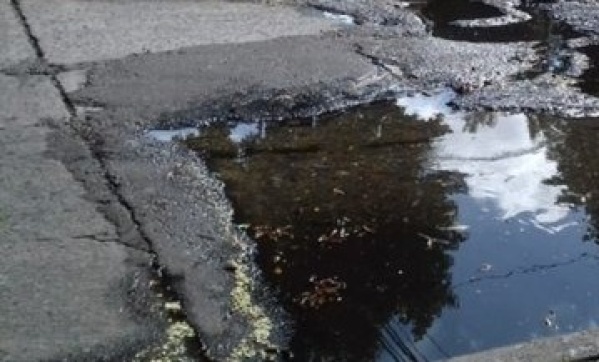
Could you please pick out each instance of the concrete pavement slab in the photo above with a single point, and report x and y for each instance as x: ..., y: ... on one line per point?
x: 68, y: 288
x: 15, y: 45
x: 160, y: 83
x: 72, y: 31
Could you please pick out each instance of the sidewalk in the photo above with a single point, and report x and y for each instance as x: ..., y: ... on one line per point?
x: 79, y: 232
x: 68, y: 288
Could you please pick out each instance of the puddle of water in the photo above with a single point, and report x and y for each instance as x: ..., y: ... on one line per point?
x: 447, y: 16
x: 409, y: 231
x: 444, y: 12
x: 340, y: 18
x: 590, y: 78
x: 168, y: 135
x: 463, y: 20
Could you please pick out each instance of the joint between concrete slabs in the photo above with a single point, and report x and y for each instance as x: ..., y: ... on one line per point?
x: 71, y: 109
x: 32, y: 39
x: 51, y: 72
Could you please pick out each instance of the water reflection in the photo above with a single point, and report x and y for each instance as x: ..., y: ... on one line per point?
x: 485, y: 23
x: 504, y: 157
x: 589, y: 81
x: 574, y: 146
x: 349, y: 233
x: 361, y: 219
x: 523, y: 272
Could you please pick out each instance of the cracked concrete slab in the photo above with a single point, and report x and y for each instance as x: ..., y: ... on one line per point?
x: 15, y: 45
x: 72, y: 80
x: 68, y: 289
x: 74, y: 31
x: 154, y: 84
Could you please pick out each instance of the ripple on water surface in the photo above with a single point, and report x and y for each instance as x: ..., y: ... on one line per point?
x: 410, y: 231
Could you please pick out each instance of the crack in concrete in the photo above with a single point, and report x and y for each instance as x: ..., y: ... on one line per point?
x: 33, y: 40
x: 377, y: 62
x: 47, y: 70
x: 159, y: 271
x: 102, y: 240
x: 39, y: 52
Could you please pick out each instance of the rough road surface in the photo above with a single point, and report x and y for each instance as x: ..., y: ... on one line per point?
x: 69, y: 287
x: 116, y: 246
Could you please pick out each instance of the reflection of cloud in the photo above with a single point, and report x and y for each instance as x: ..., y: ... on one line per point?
x: 427, y: 107
x: 243, y: 131
x: 339, y: 18
x: 171, y: 135
x: 503, y: 163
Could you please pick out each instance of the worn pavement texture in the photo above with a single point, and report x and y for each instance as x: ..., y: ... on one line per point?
x: 69, y: 287
x: 105, y: 231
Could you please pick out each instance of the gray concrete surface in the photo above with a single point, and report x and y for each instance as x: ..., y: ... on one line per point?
x: 582, y: 16
x: 72, y: 31
x: 166, y: 82
x: 433, y: 62
x: 15, y: 44
x: 68, y: 289
x: 583, y: 346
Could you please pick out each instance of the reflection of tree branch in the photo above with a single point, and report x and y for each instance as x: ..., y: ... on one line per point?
x: 473, y: 120
x: 502, y: 156
x: 392, y: 341
x: 383, y: 144
x: 410, y: 353
x: 528, y: 270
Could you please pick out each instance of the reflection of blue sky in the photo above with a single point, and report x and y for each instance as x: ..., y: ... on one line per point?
x: 169, y: 135
x: 524, y: 257
x: 503, y: 164
x: 339, y: 18
x: 243, y: 131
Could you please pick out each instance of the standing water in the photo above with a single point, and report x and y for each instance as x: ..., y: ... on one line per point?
x: 410, y: 231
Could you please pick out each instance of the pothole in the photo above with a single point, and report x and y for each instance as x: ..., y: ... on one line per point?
x: 475, y: 21
x: 410, y: 231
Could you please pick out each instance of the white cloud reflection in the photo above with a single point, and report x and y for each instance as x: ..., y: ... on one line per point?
x: 503, y: 163
x: 172, y: 134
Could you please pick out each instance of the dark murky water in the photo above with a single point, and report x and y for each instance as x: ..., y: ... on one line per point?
x: 551, y: 36
x: 446, y: 14
x: 413, y: 232
x: 590, y: 79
